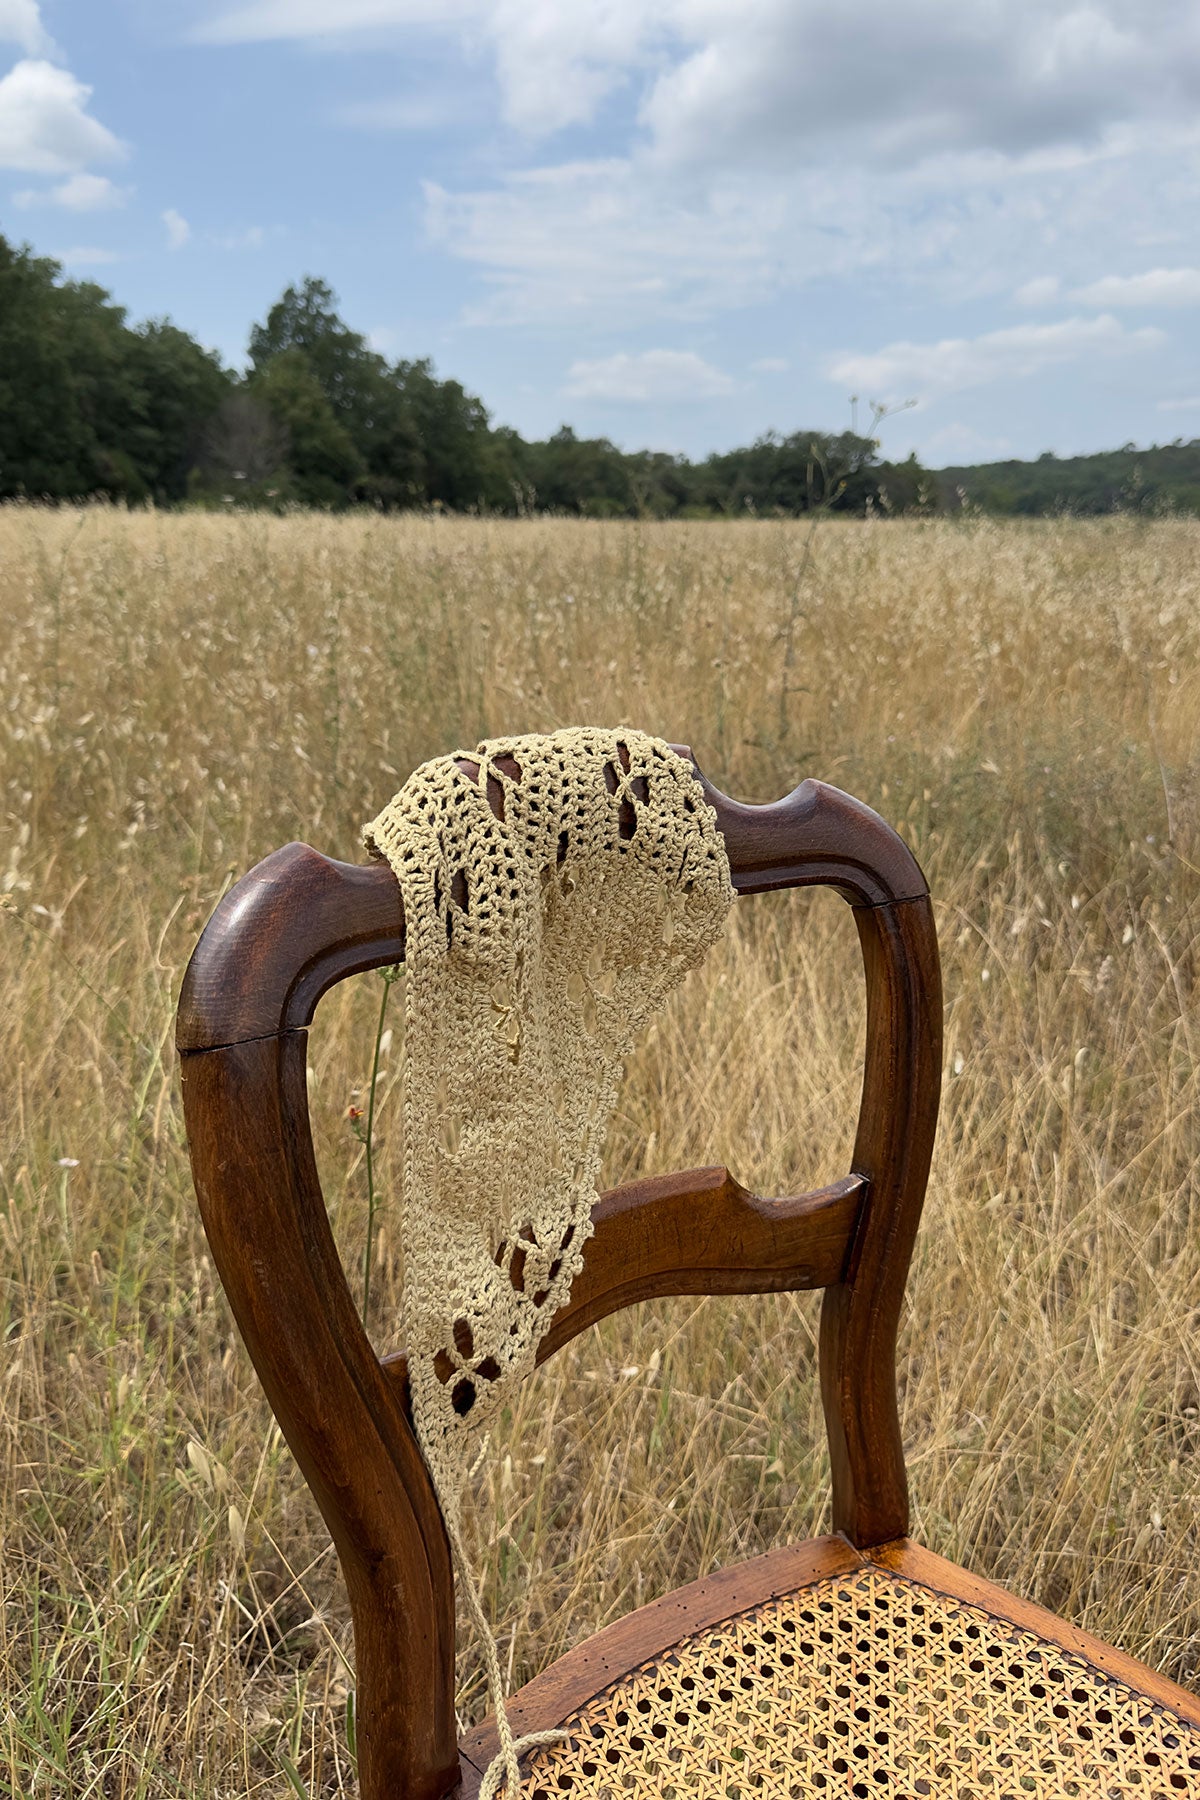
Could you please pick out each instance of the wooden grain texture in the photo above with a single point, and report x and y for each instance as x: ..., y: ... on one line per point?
x: 575, y: 1678
x: 817, y: 836
x: 290, y: 929
x: 683, y: 1234
x: 698, y: 1232
x: 860, y: 1314
x: 246, y: 1109
x: 297, y: 924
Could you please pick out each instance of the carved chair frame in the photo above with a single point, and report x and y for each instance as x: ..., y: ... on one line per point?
x: 297, y: 924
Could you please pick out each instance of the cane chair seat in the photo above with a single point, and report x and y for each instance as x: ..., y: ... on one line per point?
x: 889, y: 1673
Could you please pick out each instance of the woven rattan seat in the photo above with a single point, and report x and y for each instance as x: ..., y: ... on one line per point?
x: 852, y: 1665
x: 872, y: 1682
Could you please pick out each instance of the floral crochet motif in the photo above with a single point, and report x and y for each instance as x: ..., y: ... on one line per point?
x: 542, y: 933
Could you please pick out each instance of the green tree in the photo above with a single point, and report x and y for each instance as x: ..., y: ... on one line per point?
x: 459, y: 465
x: 355, y: 380
x: 180, y: 387
x: 306, y: 319
x: 793, y: 474
x: 323, y: 459
x: 88, y: 405
x: 59, y: 380
x: 580, y: 475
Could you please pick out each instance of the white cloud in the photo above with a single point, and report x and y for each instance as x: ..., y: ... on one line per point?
x: 20, y: 23
x: 78, y: 193
x: 896, y: 85
x: 84, y: 256
x: 1186, y: 403
x: 647, y: 375
x: 770, y: 365
x: 44, y: 123
x: 584, y: 238
x: 575, y: 240
x: 1038, y: 292
x: 1157, y: 287
x: 1011, y: 354
x: 758, y: 82
x: 554, y: 63
x: 178, y: 229
x: 777, y: 144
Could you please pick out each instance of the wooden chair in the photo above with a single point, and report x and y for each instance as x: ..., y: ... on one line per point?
x: 856, y: 1664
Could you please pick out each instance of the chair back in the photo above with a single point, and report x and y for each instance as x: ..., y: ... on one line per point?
x: 297, y: 924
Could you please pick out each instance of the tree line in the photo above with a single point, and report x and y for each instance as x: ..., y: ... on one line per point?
x: 92, y: 405
x: 1162, y: 479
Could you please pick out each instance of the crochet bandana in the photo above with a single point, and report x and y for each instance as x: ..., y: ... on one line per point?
x: 539, y: 943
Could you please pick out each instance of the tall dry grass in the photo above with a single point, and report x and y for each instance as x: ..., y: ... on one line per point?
x: 180, y: 695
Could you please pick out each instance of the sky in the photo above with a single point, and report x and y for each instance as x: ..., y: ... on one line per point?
x: 674, y: 223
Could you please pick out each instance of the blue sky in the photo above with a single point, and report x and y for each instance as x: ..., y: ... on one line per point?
x: 675, y: 222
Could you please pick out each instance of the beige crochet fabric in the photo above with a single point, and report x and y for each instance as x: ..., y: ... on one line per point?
x: 538, y: 945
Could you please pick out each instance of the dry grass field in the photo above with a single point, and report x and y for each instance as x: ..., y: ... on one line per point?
x: 180, y: 695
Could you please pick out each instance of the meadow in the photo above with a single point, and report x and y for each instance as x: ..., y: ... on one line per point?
x: 181, y: 694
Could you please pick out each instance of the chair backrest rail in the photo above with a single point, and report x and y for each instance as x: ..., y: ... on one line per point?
x: 644, y: 1247
x: 300, y: 922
